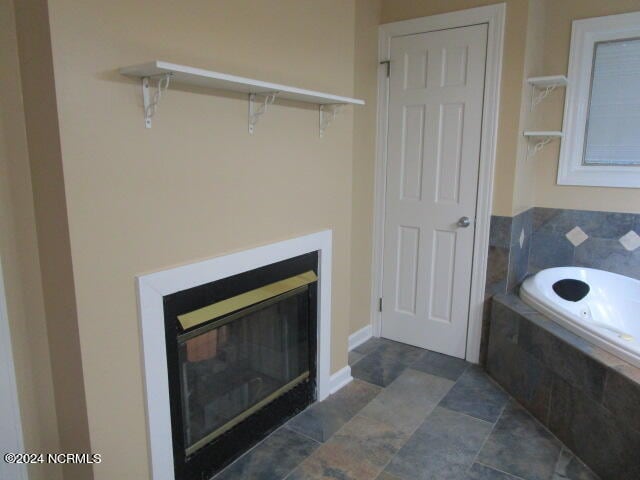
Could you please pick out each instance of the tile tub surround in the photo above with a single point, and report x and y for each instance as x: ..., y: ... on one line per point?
x: 587, y: 397
x: 509, y: 244
x: 507, y: 262
x: 542, y: 238
x: 431, y: 416
x: 604, y: 240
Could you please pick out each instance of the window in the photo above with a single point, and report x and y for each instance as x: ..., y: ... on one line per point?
x: 601, y: 144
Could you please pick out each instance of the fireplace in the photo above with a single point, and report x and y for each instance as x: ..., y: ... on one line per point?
x: 241, y: 357
x: 221, y: 302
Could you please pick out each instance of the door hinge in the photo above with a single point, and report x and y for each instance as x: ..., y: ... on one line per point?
x: 380, y: 304
x: 388, y: 65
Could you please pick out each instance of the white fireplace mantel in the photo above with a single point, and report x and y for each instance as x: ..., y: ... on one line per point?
x: 151, y: 289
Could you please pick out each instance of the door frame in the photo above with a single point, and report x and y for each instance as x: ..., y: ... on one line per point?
x: 494, y: 17
x: 9, y: 404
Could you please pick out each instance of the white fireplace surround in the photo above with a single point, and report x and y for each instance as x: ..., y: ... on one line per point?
x: 151, y: 289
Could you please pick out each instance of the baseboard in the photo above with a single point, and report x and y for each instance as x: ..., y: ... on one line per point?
x: 340, y: 379
x: 359, y: 337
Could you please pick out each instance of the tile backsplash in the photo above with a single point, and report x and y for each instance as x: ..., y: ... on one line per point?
x: 542, y: 238
x: 604, y: 240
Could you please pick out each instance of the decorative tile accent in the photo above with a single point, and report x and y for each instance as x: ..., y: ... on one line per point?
x: 576, y: 236
x: 518, y: 264
x: 522, y: 221
x: 630, y: 241
x: 608, y: 254
x: 614, y: 240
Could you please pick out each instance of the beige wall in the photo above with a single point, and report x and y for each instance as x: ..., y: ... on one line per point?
x: 196, y: 185
x: 20, y: 262
x: 557, y: 20
x: 364, y: 154
x: 530, y: 119
x: 511, y: 87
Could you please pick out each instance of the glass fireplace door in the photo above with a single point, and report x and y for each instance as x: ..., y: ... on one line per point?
x: 235, y: 365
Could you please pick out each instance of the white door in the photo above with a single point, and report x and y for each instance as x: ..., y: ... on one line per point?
x: 435, y: 119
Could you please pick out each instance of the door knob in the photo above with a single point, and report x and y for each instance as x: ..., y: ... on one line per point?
x: 464, y: 222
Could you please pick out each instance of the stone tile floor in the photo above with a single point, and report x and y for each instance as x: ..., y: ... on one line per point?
x: 411, y: 414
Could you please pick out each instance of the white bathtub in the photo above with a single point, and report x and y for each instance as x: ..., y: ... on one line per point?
x: 608, y: 316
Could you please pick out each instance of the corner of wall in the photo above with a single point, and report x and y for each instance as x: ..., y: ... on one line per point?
x: 367, y: 20
x: 530, y: 117
x: 45, y: 158
x: 21, y: 263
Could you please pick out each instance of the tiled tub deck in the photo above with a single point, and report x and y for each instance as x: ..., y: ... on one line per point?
x: 588, y: 398
x: 411, y: 414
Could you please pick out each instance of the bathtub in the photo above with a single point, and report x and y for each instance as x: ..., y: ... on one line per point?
x: 608, y: 315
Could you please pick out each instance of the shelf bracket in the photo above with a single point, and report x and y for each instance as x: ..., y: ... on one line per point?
x: 328, y: 114
x: 539, y: 145
x: 255, y: 112
x: 539, y: 94
x: 150, y: 101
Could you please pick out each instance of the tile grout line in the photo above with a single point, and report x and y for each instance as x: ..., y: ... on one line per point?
x: 382, y: 389
x: 302, y: 434
x: 322, y: 444
x: 498, y: 470
x: 437, y: 404
x: 545, y: 428
x: 248, y: 451
x: 555, y: 466
x: 493, y: 427
x: 416, y: 429
x: 466, y: 415
x: 410, y: 435
x: 562, y: 445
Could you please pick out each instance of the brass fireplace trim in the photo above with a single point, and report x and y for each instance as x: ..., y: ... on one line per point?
x: 224, y: 307
x: 254, y: 408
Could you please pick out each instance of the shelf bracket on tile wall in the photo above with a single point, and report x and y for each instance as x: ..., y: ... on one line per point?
x: 328, y: 114
x: 150, y: 101
x: 256, y: 111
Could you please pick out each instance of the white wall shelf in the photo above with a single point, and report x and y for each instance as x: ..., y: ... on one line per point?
x: 543, y: 86
x: 540, y: 138
x: 548, y: 81
x: 166, y: 73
